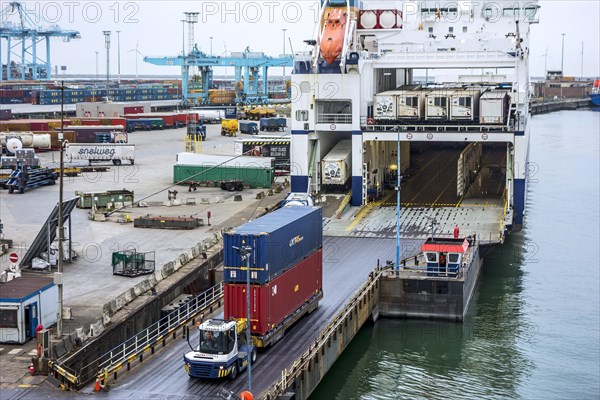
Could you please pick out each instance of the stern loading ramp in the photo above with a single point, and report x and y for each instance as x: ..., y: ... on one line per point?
x: 430, y: 193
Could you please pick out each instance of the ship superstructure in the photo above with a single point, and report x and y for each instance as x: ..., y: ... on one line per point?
x: 449, y: 80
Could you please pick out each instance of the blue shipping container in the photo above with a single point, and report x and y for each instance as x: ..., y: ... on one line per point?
x: 279, y: 241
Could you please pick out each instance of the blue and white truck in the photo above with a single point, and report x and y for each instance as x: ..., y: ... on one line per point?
x: 221, y: 350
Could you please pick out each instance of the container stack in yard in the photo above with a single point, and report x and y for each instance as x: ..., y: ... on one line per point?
x: 286, y: 270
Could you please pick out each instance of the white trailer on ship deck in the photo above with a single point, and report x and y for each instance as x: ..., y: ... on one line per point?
x: 494, y: 106
x: 464, y: 105
x: 437, y: 104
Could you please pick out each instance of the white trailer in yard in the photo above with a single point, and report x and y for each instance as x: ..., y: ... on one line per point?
x: 210, y: 116
x: 100, y: 152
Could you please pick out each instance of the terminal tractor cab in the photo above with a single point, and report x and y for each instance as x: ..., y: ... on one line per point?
x: 220, y: 350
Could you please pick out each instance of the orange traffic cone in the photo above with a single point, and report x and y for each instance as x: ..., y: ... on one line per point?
x: 31, y: 368
x: 97, y: 387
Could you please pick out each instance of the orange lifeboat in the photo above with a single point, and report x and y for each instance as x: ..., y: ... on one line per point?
x: 332, y: 41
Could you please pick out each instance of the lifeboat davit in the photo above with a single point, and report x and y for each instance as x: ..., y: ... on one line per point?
x: 332, y: 41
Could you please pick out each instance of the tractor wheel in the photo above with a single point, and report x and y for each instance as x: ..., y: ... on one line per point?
x: 234, y: 371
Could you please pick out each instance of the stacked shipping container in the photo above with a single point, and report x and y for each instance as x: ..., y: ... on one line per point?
x: 286, y: 267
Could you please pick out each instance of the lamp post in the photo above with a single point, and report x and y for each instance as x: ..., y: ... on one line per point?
x: 211, y: 53
x: 398, y: 207
x: 244, y: 253
x: 58, y: 276
x: 119, y: 56
x: 107, y: 45
x: 284, y: 29
x: 96, y: 65
x: 562, y: 57
x: 183, y: 37
x: 433, y: 223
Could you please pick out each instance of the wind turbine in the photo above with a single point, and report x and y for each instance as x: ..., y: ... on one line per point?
x: 137, y: 52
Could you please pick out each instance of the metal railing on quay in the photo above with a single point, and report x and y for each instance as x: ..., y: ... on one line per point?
x: 300, y: 364
x: 134, y: 347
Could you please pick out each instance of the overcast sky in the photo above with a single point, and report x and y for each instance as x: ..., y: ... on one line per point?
x: 155, y: 27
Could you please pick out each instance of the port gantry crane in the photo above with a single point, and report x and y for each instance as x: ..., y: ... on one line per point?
x: 246, y: 62
x: 26, y: 34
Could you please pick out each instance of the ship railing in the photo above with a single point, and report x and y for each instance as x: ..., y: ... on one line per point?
x: 493, y: 55
x: 326, y: 118
x: 134, y: 348
x: 434, y: 128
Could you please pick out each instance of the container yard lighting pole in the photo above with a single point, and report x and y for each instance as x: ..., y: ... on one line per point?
x: 398, y: 207
x: 119, y: 56
x: 58, y: 279
x: 183, y: 37
x: 562, y: 57
x: 107, y: 45
x: 244, y: 253
x: 211, y: 38
x: 284, y: 48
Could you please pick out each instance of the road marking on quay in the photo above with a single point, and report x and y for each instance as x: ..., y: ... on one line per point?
x: 362, y: 213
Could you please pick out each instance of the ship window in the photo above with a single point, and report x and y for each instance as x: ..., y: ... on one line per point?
x: 464, y: 29
x: 464, y: 101
x: 431, y: 257
x: 334, y: 112
x: 301, y: 115
x: 430, y: 29
x: 453, y: 258
x: 530, y: 13
x: 451, y: 29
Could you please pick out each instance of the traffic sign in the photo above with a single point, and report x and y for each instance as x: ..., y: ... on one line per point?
x: 13, y: 257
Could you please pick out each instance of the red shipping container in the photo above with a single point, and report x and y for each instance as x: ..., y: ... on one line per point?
x: 168, y: 120
x: 272, y: 302
x: 118, y: 121
x: 133, y: 110
x: 38, y: 125
x: 90, y: 122
x: 181, y: 119
x: 191, y: 117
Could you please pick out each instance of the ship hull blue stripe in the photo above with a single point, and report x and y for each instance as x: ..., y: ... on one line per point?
x: 519, y: 201
x: 299, y: 183
x: 356, y: 191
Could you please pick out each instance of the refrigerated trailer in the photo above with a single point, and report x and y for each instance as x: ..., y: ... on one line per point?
x: 411, y: 104
x: 385, y: 106
x: 336, y: 166
x: 437, y: 104
x: 464, y: 105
